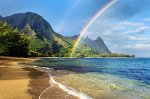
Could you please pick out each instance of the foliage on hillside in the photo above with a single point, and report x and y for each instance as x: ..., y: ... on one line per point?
x: 12, y: 42
x: 58, y: 47
x: 83, y: 51
x: 27, y: 43
x: 111, y: 55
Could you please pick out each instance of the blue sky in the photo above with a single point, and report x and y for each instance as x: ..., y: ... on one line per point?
x: 66, y: 16
x: 125, y: 27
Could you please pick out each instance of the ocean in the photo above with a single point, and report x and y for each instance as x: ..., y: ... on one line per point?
x: 104, y: 78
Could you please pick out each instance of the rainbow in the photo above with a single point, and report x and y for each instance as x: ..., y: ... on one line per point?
x: 83, y: 31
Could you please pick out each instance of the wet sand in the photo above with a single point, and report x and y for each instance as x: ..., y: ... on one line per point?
x: 25, y: 82
x: 53, y: 91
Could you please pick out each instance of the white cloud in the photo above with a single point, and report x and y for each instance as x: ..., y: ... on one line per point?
x: 138, y: 30
x: 139, y: 46
x: 131, y: 23
x: 124, y: 25
x: 136, y: 38
x: 147, y: 19
x: 123, y: 37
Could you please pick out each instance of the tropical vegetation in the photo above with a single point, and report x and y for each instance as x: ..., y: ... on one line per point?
x: 30, y: 35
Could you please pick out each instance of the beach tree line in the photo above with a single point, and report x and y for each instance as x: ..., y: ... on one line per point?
x: 25, y: 43
x: 12, y: 41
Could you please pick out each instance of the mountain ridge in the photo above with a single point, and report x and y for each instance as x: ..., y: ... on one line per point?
x: 97, y: 45
x: 43, y: 39
x: 36, y: 22
x: 73, y: 37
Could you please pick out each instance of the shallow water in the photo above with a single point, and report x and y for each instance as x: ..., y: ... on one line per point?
x: 115, y: 78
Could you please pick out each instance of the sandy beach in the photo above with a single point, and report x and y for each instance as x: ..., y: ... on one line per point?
x: 24, y: 82
x: 13, y: 79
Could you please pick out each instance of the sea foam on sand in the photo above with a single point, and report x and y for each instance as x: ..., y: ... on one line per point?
x: 69, y: 90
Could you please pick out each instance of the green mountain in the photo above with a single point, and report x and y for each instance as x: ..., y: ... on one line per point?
x: 36, y: 22
x: 37, y: 38
x: 42, y: 37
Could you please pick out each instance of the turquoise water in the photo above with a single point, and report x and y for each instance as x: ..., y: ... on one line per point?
x: 120, y: 77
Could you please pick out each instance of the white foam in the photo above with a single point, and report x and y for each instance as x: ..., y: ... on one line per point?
x: 70, y: 90
x: 35, y: 66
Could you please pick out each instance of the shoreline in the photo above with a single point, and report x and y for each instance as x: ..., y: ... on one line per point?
x: 60, y: 73
x: 57, y: 91
x: 87, y: 57
x: 24, y: 81
x: 37, y: 82
x: 70, y: 90
x: 27, y: 82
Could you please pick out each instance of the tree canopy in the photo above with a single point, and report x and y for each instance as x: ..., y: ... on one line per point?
x: 12, y: 41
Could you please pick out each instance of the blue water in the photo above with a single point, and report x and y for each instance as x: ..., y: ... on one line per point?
x: 124, y: 76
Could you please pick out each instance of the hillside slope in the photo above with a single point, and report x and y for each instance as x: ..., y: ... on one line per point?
x: 44, y: 41
x: 36, y: 22
x: 42, y: 37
